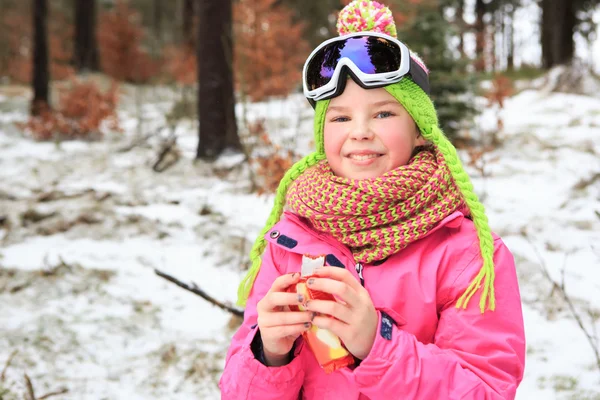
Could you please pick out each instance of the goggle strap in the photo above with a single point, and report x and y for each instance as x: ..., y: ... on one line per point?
x: 419, y: 76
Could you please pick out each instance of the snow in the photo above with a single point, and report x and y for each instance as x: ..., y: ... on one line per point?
x: 535, y: 199
x: 81, y: 303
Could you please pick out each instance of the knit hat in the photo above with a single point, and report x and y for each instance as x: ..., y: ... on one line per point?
x: 361, y: 16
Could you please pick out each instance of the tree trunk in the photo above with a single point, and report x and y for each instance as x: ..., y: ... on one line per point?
x: 546, y: 33
x: 558, y: 26
x: 510, y: 39
x: 157, y: 17
x: 480, y: 62
x: 565, y: 42
x: 188, y: 10
x: 216, y: 112
x: 86, y: 45
x: 460, y: 19
x: 495, y: 47
x: 41, y: 73
x: 4, y: 44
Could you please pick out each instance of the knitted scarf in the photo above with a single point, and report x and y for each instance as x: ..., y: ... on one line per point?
x: 378, y: 217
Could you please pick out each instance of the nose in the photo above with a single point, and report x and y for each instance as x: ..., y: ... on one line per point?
x: 361, y: 131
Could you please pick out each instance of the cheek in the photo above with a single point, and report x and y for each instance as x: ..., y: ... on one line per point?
x: 400, y: 155
x: 400, y: 143
x: 333, y: 141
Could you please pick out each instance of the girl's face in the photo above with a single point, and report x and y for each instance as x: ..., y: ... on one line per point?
x: 368, y: 133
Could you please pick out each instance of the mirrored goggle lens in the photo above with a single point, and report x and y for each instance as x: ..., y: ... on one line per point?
x: 372, y: 55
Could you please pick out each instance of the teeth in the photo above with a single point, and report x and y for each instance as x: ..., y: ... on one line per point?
x: 361, y: 157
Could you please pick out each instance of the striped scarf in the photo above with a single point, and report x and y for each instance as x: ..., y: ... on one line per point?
x: 378, y: 217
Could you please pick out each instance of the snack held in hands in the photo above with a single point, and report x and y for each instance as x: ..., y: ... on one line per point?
x: 327, y: 347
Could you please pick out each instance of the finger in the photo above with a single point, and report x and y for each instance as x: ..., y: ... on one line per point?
x: 285, y: 330
x: 284, y: 281
x: 333, y: 325
x: 332, y: 308
x: 280, y: 299
x: 339, y: 274
x: 342, y: 290
x: 284, y: 318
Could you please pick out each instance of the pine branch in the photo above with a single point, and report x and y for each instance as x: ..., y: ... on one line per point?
x: 196, y: 290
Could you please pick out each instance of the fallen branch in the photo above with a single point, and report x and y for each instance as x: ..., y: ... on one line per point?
x: 591, y: 337
x: 55, y: 195
x: 19, y: 286
x: 137, y: 142
x: 10, y: 358
x: 47, y: 395
x: 52, y: 270
x: 30, y: 392
x: 168, y: 154
x: 584, y: 183
x: 196, y: 290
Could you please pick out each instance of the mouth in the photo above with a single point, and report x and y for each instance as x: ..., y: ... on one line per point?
x: 363, y: 156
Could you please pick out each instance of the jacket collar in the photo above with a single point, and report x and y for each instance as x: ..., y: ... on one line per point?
x: 295, y: 234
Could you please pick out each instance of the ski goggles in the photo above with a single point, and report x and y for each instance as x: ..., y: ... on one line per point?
x: 372, y: 59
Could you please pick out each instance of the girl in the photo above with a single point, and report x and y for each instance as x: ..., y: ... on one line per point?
x: 406, y: 240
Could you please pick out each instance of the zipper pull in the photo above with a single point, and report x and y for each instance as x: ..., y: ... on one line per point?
x: 359, y: 271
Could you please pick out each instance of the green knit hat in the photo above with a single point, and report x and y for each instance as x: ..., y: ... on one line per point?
x: 420, y: 107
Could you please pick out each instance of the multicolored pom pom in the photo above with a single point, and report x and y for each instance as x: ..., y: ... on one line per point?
x: 366, y: 15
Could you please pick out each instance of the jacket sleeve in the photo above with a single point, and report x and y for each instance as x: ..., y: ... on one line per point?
x: 473, y: 356
x: 244, y: 377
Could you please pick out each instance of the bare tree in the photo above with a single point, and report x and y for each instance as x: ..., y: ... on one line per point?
x: 86, y: 46
x: 216, y: 102
x: 157, y: 12
x: 510, y: 37
x: 460, y: 20
x: 558, y: 26
x: 480, y: 43
x: 41, y: 73
x: 561, y: 19
x: 189, y: 12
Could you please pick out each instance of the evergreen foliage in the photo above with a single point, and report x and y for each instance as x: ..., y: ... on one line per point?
x: 429, y: 34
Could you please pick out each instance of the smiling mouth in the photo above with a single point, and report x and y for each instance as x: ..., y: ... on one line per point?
x: 363, y: 157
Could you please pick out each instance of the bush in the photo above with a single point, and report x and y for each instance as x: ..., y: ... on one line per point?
x: 120, y: 36
x: 272, y: 162
x: 269, y: 49
x: 180, y: 64
x: 82, y: 113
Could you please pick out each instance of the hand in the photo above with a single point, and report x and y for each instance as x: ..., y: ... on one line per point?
x: 355, y: 318
x: 280, y: 327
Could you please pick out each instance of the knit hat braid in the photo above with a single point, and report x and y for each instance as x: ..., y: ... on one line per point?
x: 294, y: 172
x: 361, y: 16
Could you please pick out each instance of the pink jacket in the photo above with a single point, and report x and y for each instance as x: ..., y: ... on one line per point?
x: 431, y: 350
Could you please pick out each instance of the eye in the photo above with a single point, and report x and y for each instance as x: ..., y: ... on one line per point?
x: 340, y: 119
x: 384, y: 114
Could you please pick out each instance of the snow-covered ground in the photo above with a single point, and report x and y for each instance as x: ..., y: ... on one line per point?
x: 83, y: 225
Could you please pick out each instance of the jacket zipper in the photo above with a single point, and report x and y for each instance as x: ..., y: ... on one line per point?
x: 359, y: 271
